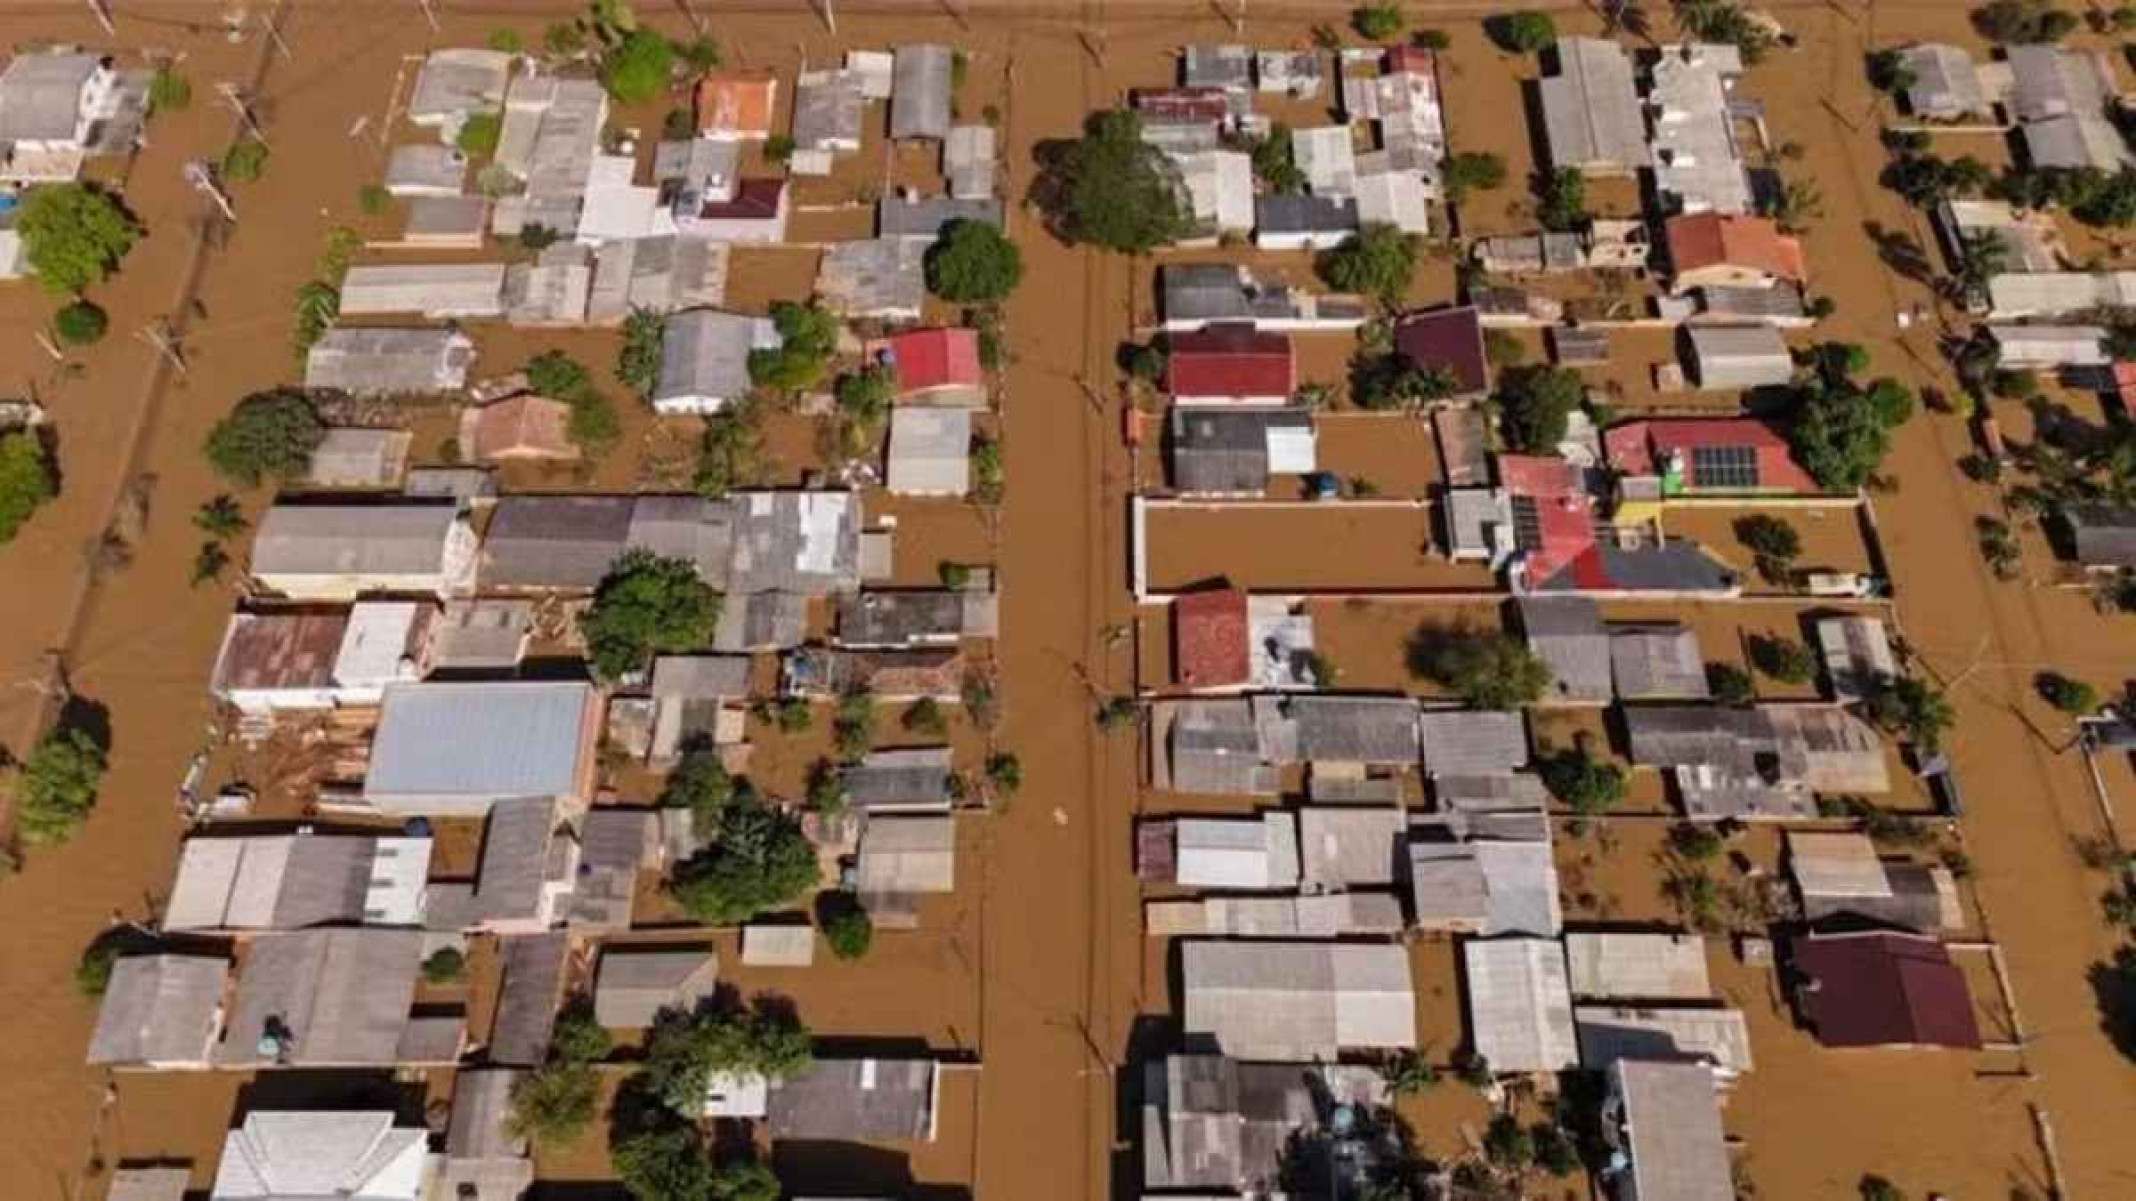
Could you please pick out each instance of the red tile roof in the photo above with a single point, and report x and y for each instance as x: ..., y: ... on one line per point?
x: 1451, y: 339
x: 1699, y: 240
x: 520, y: 427
x: 754, y: 200
x: 1882, y: 988
x: 1230, y: 360
x: 1209, y: 639
x: 1644, y: 448
x: 935, y: 358
x: 739, y: 104
x: 1537, y: 475
x: 1414, y: 60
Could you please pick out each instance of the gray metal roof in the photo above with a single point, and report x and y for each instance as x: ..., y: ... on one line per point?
x: 427, y: 167
x: 1946, y: 84
x: 1299, y: 213
x: 929, y: 451
x: 481, y: 1101
x: 1214, y: 748
x: 705, y: 353
x: 828, y: 110
x: 692, y: 677
x: 335, y: 540
x: 855, y: 1100
x: 554, y: 541
x: 1520, y: 884
x: 1226, y: 450
x: 337, y: 998
x: 528, y: 998
x: 908, y: 778
x: 1466, y: 742
x: 149, y: 1184
x: 924, y: 217
x: 1657, y: 663
x: 1520, y: 1008
x: 1671, y: 1116
x: 41, y: 96
x: 921, y: 82
x: 1217, y: 66
x: 481, y: 634
x: 2105, y: 535
x: 359, y: 458
x: 1566, y: 633
x: 904, y: 617
x: 515, y: 858
x: 1488, y: 791
x: 1591, y: 117
x: 636, y: 983
x: 795, y: 541
x: 615, y: 844
x: 388, y: 362
x: 1354, y: 729
x: 458, y: 80
x: 475, y: 742
x: 1348, y: 846
x: 761, y: 621
x: 874, y: 277
x: 159, y: 1009
x: 1298, y: 1000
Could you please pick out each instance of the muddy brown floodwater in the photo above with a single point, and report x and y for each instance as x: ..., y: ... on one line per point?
x: 1038, y: 961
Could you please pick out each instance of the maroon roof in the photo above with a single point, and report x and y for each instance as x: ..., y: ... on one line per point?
x: 1230, y: 359
x: 1448, y: 338
x: 1883, y: 988
x: 754, y: 200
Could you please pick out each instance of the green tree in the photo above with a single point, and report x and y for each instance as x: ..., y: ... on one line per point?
x: 2071, y: 696
x: 1908, y: 706
x: 1112, y: 189
x: 845, y: 922
x: 1409, y: 1074
x: 73, y: 235
x: 639, y: 67
x: 1586, y: 784
x: 668, y: 1163
x: 1695, y: 841
x: 2019, y: 22
x: 973, y: 262
x: 1561, y: 199
x: 638, y: 363
x: 220, y: 516
x: 1521, y: 32
x: 553, y: 1105
x: 1535, y: 406
x: 25, y: 480
x: 209, y: 562
x: 700, y: 56
x: 1554, y: 1151
x: 925, y: 717
x: 761, y: 861
x: 506, y: 41
x: 168, y: 91
x: 685, y: 1050
x: 479, y: 134
x: 1875, y: 1188
x: 647, y: 604
x: 1784, y: 659
x: 80, y: 323
x: 1274, y: 163
x: 446, y: 965
x: 1838, y: 440
x: 1774, y: 544
x: 245, y: 161
x: 578, y: 1036
x: 1490, y: 670
x: 1377, y: 22
x: 865, y: 395
x: 1507, y: 1143
x: 700, y: 784
x: 268, y: 437
x: 1721, y: 22
x: 1378, y: 260
x: 57, y: 786
x: 1470, y: 171
x: 1390, y: 381
x: 853, y: 729
x: 1729, y: 684
x: 808, y: 336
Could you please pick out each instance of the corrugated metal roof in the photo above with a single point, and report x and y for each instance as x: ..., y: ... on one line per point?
x: 1520, y: 1006
x: 339, y: 998
x: 921, y: 81
x: 159, y: 1009
x: 1640, y: 966
x: 479, y: 740
x: 1672, y: 1122
x: 408, y: 539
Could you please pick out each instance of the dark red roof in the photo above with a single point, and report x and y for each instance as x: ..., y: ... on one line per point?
x: 1448, y: 338
x: 1414, y: 60
x: 1183, y: 104
x: 1883, y: 988
x: 1230, y: 360
x: 754, y: 200
x: 1209, y: 639
x: 1643, y: 447
x: 936, y: 358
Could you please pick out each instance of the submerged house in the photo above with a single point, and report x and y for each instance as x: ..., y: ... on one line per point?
x: 160, y: 1012
x: 332, y: 998
x: 297, y: 881
x: 1663, y: 1119
x: 338, y: 551
x: 1520, y: 1005
x: 57, y: 108
x: 1298, y: 1001
x: 1230, y: 363
x: 1881, y: 988
x: 389, y: 362
x: 923, y: 79
x: 457, y: 748
x: 362, y: 1155
x: 1591, y: 118
x: 704, y: 360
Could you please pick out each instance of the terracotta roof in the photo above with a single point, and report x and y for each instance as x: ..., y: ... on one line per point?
x: 1230, y: 360
x: 1881, y: 988
x: 1210, y: 639
x: 1448, y: 338
x: 1537, y: 475
x: 519, y: 427
x: 754, y: 199
x: 281, y: 650
x: 737, y: 104
x: 1699, y: 240
x: 936, y: 358
x: 1644, y: 447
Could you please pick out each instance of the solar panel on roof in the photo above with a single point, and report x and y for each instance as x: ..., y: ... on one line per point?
x: 1724, y: 466
x: 1527, y: 524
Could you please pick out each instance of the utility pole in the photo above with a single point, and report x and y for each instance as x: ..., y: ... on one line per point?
x: 228, y: 92
x: 697, y: 23
x: 203, y: 181
x: 1093, y: 44
x: 44, y: 341
x: 102, y: 12
x: 429, y: 14
x: 275, y: 35
x: 158, y: 335
x: 823, y: 9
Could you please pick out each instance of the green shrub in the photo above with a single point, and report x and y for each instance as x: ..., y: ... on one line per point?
x: 778, y: 149
x: 1586, y: 784
x: 1784, y: 659
x: 374, y: 199
x: 2074, y: 697
x: 973, y: 263
x: 1521, y: 32
x: 1377, y: 22
x: 446, y: 965
x: 507, y: 41
x: 925, y: 717
x: 57, y: 786
x: 554, y: 1104
x: 479, y: 134
x: 73, y: 235
x: 168, y: 91
x: 245, y: 161
x: 80, y: 324
x: 1730, y: 685
x: 1488, y: 670
x: 269, y: 436
x: 639, y: 67
x: 846, y: 925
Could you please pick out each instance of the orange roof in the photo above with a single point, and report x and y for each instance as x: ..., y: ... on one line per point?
x: 1700, y: 240
x: 521, y: 427
x: 737, y: 104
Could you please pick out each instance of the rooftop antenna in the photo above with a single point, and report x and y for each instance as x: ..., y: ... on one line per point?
x: 203, y: 181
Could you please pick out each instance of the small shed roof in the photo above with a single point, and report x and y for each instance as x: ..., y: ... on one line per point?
x: 905, y: 855
x: 904, y: 778
x: 1657, y: 662
x: 149, y: 1184
x: 457, y: 80
x: 1520, y: 1005
x: 922, y: 76
x: 768, y: 944
x: 1209, y: 639
x: 425, y: 169
x: 929, y: 452
x: 636, y: 983
x: 1566, y: 632
x: 2104, y: 534
x: 737, y: 104
x: 1472, y: 741
x: 359, y: 458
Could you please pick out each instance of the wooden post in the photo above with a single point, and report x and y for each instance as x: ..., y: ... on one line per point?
x: 45, y: 341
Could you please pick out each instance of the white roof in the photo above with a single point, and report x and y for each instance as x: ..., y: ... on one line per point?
x: 2016, y: 295
x: 930, y: 451
x: 1292, y: 1001
x: 2050, y: 345
x: 1694, y: 152
x: 767, y: 945
x: 1397, y: 198
x: 1856, y: 653
x: 1646, y: 966
x: 1219, y: 187
x: 374, y: 645
x: 436, y: 290
x: 1327, y: 157
x: 1836, y: 864
x: 348, y: 1155
x: 1609, y: 1033
x: 1221, y: 852
x: 1520, y: 1005
x: 1520, y: 884
x: 1345, y: 846
x: 616, y: 207
x: 1672, y: 1118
